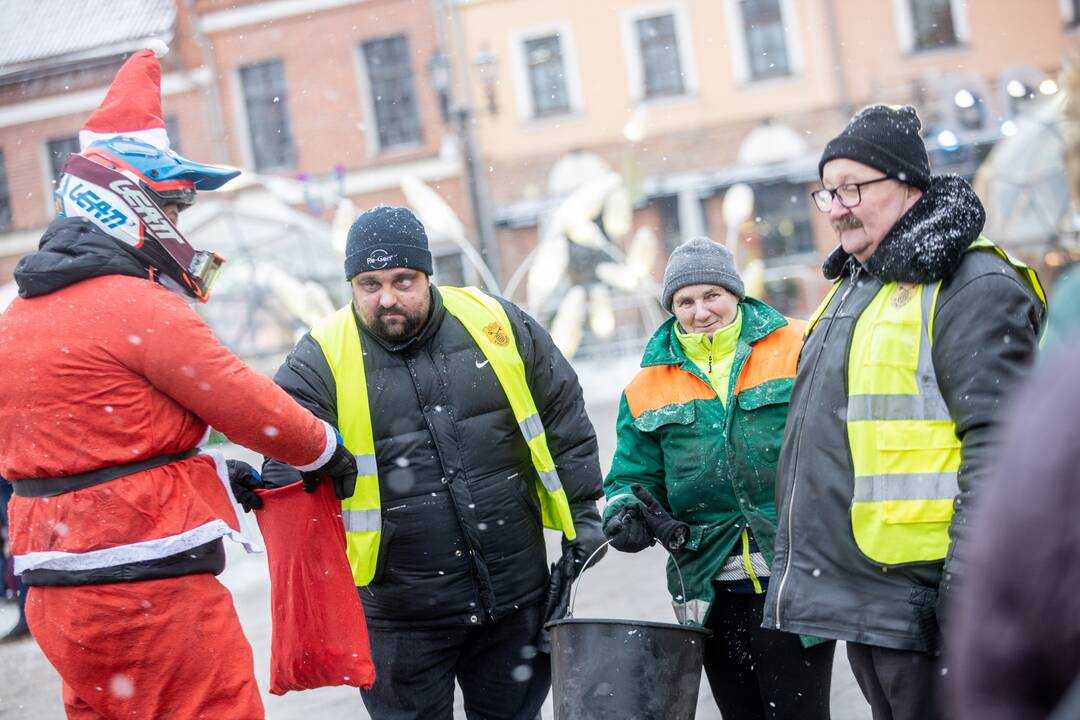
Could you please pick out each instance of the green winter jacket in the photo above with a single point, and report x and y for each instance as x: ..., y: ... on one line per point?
x: 713, y: 467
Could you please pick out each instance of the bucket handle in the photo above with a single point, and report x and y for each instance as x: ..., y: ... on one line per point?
x: 588, y: 564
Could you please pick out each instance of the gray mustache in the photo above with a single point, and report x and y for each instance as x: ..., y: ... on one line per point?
x: 848, y: 222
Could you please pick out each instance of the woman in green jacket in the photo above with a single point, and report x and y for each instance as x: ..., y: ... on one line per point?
x: 699, y: 433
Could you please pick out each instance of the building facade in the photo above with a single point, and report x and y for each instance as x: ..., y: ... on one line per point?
x: 695, y: 96
x: 326, y: 99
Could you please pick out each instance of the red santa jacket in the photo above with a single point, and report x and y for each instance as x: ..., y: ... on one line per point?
x: 117, y: 369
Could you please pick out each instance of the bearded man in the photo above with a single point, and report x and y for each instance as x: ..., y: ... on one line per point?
x: 471, y: 436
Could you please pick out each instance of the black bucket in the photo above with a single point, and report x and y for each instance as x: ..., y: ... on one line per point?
x: 625, y: 669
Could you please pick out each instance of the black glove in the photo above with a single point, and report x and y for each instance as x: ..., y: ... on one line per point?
x: 558, y: 597
x: 627, y: 530
x: 245, y: 480
x: 589, y: 538
x: 341, y: 468
x: 671, y: 533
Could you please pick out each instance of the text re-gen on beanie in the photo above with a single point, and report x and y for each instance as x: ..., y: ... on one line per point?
x: 386, y: 237
x: 701, y: 262
x: 887, y: 139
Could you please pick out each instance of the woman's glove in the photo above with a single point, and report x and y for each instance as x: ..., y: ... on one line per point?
x: 671, y: 533
x: 627, y: 529
x: 245, y: 480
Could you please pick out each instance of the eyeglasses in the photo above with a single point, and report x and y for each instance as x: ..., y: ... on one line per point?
x: 849, y: 195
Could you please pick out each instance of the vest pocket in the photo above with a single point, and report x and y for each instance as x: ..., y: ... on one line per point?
x: 894, y: 344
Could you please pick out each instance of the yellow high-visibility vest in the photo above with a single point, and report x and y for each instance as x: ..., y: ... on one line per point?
x: 904, y: 447
x: 490, y: 328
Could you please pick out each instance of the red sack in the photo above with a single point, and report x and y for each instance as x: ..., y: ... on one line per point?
x: 319, y: 635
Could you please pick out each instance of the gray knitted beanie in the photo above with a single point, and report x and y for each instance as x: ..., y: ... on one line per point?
x: 701, y: 262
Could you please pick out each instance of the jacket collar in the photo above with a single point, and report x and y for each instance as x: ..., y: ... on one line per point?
x: 758, y: 320
x: 927, y: 243
x: 70, y: 251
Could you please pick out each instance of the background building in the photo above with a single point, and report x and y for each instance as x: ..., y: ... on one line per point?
x: 505, y: 107
x: 689, y: 97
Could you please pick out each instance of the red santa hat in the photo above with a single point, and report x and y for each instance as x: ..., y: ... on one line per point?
x: 132, y: 107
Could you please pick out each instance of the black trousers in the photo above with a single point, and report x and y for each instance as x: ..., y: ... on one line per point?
x: 501, y: 674
x: 898, y: 684
x: 757, y: 673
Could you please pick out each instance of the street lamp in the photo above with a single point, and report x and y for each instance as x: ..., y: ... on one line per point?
x: 486, y: 64
x: 460, y: 114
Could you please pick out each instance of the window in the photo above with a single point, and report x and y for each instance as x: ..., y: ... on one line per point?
x: 393, y: 91
x: 662, y: 69
x: 267, y: 115
x: 450, y: 269
x: 58, y: 150
x: 784, y: 295
x: 670, y: 228
x: 1071, y: 10
x: 547, y: 76
x: 932, y: 24
x: 766, y: 39
x: 783, y: 221
x: 5, y: 197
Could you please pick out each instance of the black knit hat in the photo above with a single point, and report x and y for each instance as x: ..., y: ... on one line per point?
x: 386, y: 237
x: 885, y: 138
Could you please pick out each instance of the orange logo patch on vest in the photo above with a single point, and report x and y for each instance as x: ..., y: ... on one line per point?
x: 497, y: 334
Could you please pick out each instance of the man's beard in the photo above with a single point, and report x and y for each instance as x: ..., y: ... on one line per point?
x: 401, y: 330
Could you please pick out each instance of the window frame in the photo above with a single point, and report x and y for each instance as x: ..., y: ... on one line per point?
x: 244, y: 112
x: 49, y: 180
x: 369, y: 104
x: 905, y: 28
x: 740, y: 49
x: 523, y: 94
x: 635, y: 62
x: 7, y: 212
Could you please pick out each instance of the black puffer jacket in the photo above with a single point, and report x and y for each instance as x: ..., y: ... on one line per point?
x: 986, y: 329
x: 462, y: 540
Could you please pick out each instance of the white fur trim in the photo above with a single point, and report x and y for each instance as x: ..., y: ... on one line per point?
x: 157, y: 137
x: 331, y: 446
x: 248, y: 536
x: 158, y: 47
x: 124, y: 554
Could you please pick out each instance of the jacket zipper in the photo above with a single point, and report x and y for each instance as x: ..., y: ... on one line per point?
x: 852, y: 281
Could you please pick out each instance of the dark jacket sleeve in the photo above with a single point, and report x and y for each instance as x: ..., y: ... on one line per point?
x: 554, y: 385
x: 985, y: 336
x: 305, y: 375
x: 1014, y: 629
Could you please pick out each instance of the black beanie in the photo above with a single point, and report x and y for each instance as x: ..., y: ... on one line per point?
x: 386, y: 237
x: 887, y: 139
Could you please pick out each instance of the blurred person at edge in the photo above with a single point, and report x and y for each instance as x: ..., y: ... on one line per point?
x: 699, y: 430
x: 899, y: 391
x: 10, y: 581
x: 111, y: 382
x: 460, y: 408
x: 1013, y: 649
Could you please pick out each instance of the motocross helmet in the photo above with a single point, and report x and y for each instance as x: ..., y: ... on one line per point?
x: 127, y: 172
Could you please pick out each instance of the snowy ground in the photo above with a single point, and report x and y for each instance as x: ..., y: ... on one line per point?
x: 30, y: 688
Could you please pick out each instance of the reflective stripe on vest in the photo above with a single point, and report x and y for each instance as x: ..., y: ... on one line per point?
x: 485, y: 319
x: 361, y: 515
x: 904, y: 448
x: 487, y: 323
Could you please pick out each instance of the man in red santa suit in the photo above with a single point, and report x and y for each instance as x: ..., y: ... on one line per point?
x: 110, y: 383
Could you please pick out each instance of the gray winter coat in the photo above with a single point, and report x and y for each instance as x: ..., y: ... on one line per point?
x: 986, y: 328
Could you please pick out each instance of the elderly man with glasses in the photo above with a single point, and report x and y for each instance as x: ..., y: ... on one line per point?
x: 898, y: 393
